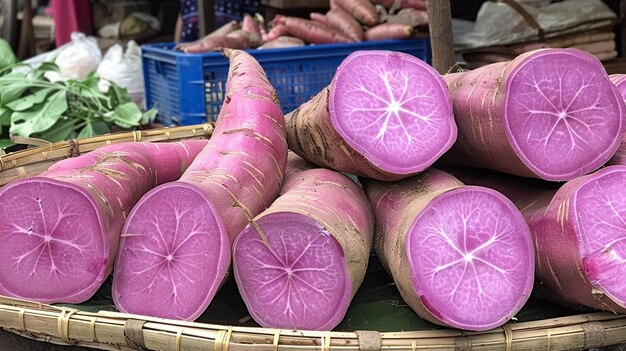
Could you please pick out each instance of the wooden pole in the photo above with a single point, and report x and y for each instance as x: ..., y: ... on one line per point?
x: 206, y: 17
x: 440, y: 26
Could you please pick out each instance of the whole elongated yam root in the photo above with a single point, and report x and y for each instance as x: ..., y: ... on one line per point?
x: 386, y: 115
x: 176, y: 245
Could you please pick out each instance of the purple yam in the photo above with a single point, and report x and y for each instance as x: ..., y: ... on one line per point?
x: 550, y: 114
x: 386, y: 115
x: 461, y: 256
x: 304, y: 262
x: 180, y: 266
x: 176, y: 243
x: 579, y: 234
x: 619, y: 158
x: 59, y: 231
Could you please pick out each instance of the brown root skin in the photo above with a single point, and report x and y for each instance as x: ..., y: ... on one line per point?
x: 347, y: 215
x: 478, y: 128
x: 396, y: 205
x: 559, y: 265
x: 311, y: 135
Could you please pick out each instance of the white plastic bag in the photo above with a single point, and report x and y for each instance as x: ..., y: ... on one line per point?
x: 79, y: 58
x: 124, y: 69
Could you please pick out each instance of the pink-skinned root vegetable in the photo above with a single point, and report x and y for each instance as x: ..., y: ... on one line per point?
x: 316, y: 237
x: 283, y: 42
x: 251, y: 25
x: 389, y: 31
x: 619, y: 158
x: 207, y: 44
x: 245, y: 38
x: 176, y: 245
x: 343, y: 22
x: 362, y: 10
x: 250, y: 39
x: 276, y: 32
x: 579, y: 233
x: 310, y: 31
x: 461, y: 256
x: 550, y: 114
x: 319, y: 17
x: 385, y: 115
x: 59, y: 231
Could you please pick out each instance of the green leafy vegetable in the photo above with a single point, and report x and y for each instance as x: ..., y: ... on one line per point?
x: 40, y: 117
x: 127, y: 115
x: 28, y: 101
x: 61, y: 130
x: 5, y: 143
x: 93, y: 129
x: 36, y: 107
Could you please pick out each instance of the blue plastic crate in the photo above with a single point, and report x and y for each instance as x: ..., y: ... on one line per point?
x: 189, y: 88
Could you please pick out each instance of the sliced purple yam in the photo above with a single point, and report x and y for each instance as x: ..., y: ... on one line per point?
x: 619, y: 158
x: 551, y: 114
x: 600, y: 212
x: 563, y: 116
x: 579, y: 232
x: 61, y: 229
x: 619, y: 80
x: 392, y: 108
x: 471, y: 258
x: 52, y: 241
x: 302, y: 282
x: 174, y: 254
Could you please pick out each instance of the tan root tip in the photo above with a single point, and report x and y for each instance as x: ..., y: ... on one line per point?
x: 227, y: 52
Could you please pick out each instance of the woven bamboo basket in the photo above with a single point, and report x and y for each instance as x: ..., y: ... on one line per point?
x: 108, y: 330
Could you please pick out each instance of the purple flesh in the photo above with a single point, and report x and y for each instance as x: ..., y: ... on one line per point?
x: 53, y: 242
x: 175, y: 247
x: 619, y: 80
x: 302, y: 283
x: 60, y: 231
x: 563, y: 117
x: 392, y: 108
x: 471, y: 258
x: 600, y: 212
x: 551, y: 114
x: 175, y: 252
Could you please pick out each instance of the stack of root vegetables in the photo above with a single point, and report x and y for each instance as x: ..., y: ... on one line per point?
x: 465, y: 247
x: 347, y: 21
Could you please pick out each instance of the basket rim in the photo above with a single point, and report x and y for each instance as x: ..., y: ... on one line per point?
x: 68, y: 326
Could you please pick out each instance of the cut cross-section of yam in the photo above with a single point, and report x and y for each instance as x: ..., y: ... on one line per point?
x: 386, y: 115
x: 462, y: 256
x: 579, y: 233
x: 302, y: 260
x: 59, y: 232
x: 551, y: 114
x: 175, y: 251
x: 619, y: 158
